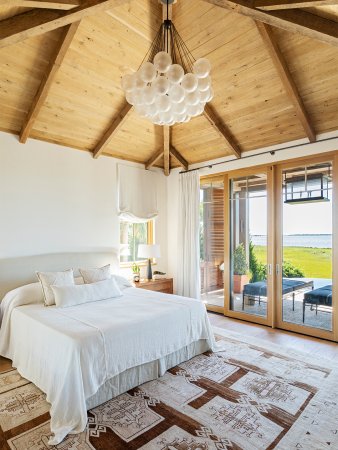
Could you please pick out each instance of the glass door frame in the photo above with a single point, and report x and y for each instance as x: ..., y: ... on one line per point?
x: 278, y: 200
x: 269, y: 171
x: 210, y: 179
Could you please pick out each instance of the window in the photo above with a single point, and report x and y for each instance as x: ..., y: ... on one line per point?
x: 131, y: 235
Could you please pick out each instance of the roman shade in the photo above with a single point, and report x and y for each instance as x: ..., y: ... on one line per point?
x: 137, y: 194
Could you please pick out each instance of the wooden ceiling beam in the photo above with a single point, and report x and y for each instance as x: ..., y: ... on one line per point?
x: 154, y: 158
x: 273, y: 5
x: 166, y: 149
x: 286, y: 78
x: 113, y: 128
x: 177, y: 155
x: 48, y: 78
x: 42, y: 4
x: 221, y: 129
x: 39, y: 21
x: 294, y: 21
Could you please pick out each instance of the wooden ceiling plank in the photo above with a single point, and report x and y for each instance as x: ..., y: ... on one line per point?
x: 166, y: 149
x: 221, y: 129
x: 272, y: 5
x: 109, y: 134
x: 48, y: 78
x: 154, y: 158
x: 39, y: 21
x: 177, y: 155
x: 42, y: 4
x: 286, y: 78
x: 294, y: 21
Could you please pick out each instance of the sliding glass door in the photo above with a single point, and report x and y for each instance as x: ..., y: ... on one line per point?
x: 249, y: 282
x: 305, y: 282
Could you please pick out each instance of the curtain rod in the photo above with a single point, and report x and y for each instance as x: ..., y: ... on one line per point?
x: 272, y: 152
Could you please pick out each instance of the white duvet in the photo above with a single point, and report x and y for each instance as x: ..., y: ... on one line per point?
x: 70, y: 352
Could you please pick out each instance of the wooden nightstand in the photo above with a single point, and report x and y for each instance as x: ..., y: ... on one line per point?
x: 162, y: 285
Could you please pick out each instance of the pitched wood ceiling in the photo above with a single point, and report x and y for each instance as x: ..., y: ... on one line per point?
x: 272, y: 84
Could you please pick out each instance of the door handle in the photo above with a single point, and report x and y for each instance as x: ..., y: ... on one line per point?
x: 277, y: 269
x: 269, y: 269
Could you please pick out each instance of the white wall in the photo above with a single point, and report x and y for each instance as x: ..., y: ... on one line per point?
x: 172, y: 182
x: 55, y: 199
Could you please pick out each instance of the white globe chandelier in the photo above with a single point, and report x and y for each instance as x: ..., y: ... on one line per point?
x: 170, y: 86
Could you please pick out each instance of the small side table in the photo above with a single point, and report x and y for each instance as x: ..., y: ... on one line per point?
x: 161, y: 285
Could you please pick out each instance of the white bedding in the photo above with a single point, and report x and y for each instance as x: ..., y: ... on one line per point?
x: 69, y: 353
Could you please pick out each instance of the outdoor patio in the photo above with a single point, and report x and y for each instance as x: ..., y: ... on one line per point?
x: 321, y: 320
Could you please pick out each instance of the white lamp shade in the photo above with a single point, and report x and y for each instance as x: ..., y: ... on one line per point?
x: 149, y: 251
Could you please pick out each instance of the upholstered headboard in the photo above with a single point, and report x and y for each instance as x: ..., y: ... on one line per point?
x: 15, y: 272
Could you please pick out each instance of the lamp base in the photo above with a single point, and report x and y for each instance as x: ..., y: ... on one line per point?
x: 149, y: 271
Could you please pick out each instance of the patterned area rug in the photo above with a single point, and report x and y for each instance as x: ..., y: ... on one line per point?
x: 249, y: 395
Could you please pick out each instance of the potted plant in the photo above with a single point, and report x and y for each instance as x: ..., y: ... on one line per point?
x: 136, y: 272
x: 241, y: 269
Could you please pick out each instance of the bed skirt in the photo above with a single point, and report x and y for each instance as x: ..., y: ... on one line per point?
x: 135, y: 376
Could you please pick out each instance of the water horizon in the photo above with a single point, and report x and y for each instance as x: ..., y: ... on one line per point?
x: 298, y: 240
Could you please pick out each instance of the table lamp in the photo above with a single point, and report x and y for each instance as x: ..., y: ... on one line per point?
x: 149, y: 251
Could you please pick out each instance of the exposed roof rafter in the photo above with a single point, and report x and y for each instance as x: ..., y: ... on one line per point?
x: 286, y: 78
x: 109, y: 134
x: 166, y: 150
x: 40, y: 21
x: 271, y: 5
x: 221, y: 129
x: 48, y: 78
x: 43, y: 4
x: 154, y: 158
x: 177, y: 155
x: 295, y: 21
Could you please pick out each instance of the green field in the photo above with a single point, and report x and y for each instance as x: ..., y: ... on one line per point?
x: 314, y: 262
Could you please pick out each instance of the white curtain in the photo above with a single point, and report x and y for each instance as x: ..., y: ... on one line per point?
x: 137, y: 192
x: 188, y: 277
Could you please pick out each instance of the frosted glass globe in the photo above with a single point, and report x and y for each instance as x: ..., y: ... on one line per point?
x: 137, y: 96
x: 179, y: 108
x: 161, y: 85
x: 128, y: 82
x: 163, y: 103
x: 193, y: 98
x: 167, y: 117
x: 204, y: 95
x: 204, y: 83
x: 192, y: 110
x: 175, y: 73
x: 179, y: 117
x: 141, y: 110
x: 211, y: 94
x: 176, y: 93
x: 148, y: 95
x: 162, y: 62
x: 139, y: 83
x: 147, y: 72
x: 200, y: 108
x: 202, y: 67
x: 189, y: 82
x: 130, y: 97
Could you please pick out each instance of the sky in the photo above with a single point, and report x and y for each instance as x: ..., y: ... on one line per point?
x: 310, y: 218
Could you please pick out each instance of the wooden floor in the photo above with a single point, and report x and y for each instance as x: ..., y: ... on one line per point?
x: 318, y: 347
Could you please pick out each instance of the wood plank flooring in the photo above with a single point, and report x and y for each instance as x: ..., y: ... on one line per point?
x: 318, y: 347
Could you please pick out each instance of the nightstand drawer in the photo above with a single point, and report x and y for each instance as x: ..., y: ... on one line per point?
x: 164, y: 285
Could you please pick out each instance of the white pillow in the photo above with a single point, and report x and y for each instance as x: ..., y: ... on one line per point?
x: 122, y: 282
x: 46, y: 279
x: 84, y: 293
x: 93, y: 275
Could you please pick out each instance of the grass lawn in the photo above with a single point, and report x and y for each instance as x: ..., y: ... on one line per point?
x: 314, y: 262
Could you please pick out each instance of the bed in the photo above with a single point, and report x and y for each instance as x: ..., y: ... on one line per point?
x: 86, y: 354
x: 256, y: 292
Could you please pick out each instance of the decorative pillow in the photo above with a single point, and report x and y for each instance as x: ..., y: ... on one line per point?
x: 84, y: 293
x: 122, y: 282
x: 46, y: 279
x: 93, y: 275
